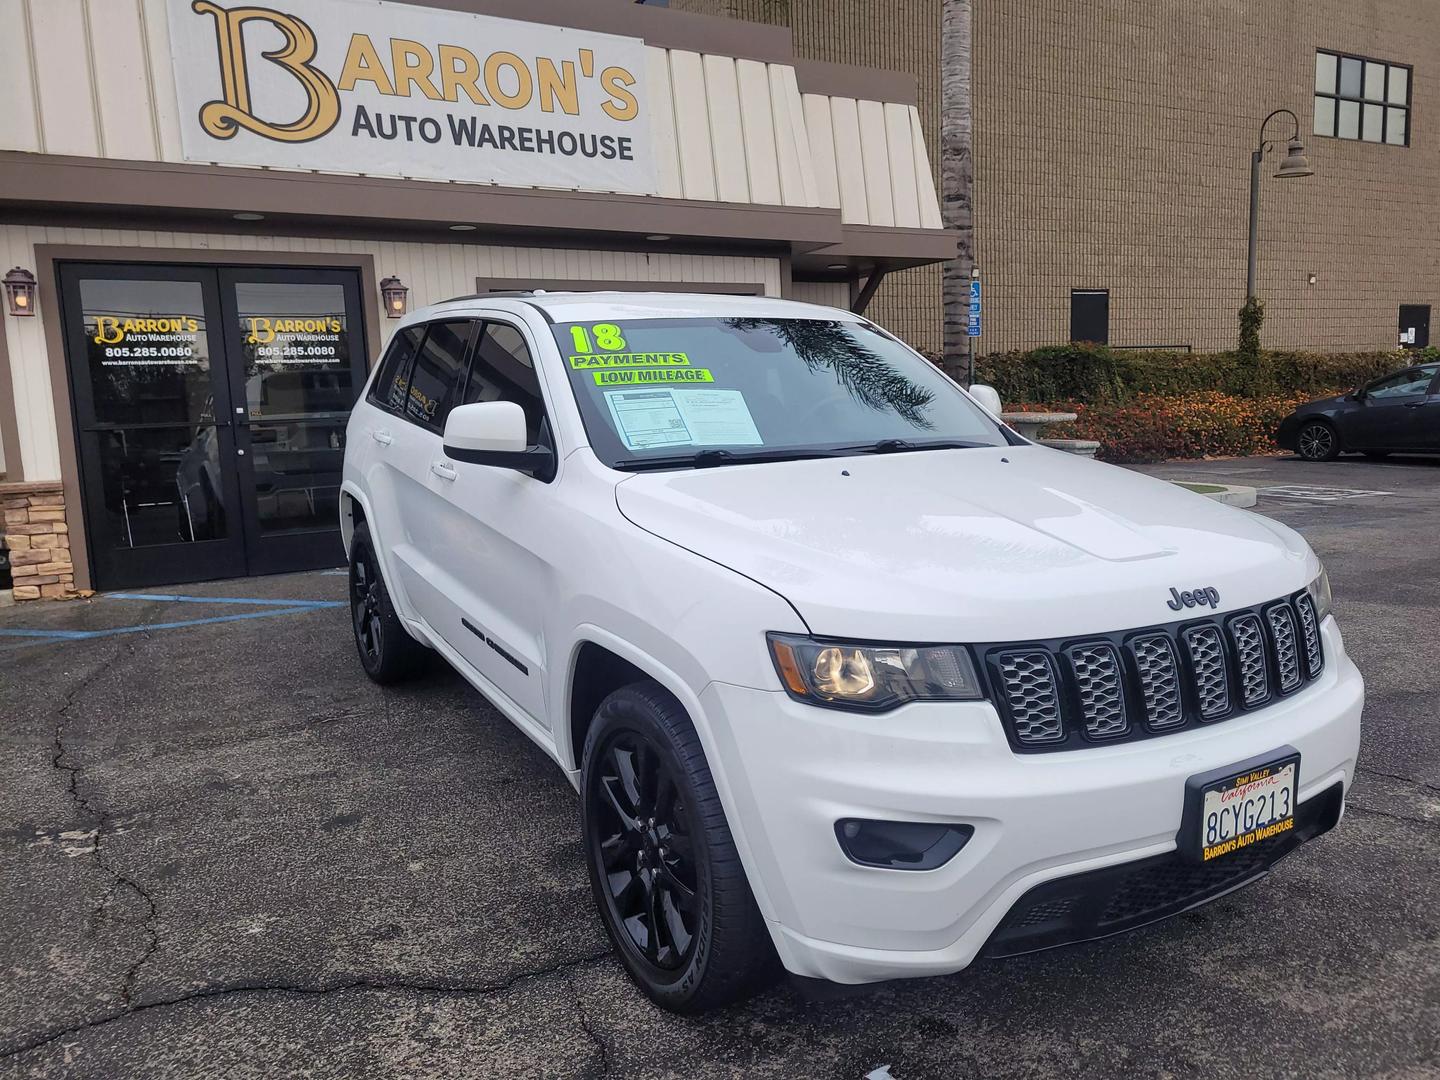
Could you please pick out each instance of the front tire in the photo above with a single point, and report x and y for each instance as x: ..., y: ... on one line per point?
x: 663, y: 866
x: 1317, y: 441
x: 387, y: 651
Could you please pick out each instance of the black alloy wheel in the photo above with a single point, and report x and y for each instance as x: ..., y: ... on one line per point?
x: 387, y: 651
x: 1318, y: 441
x: 647, y: 847
x: 664, y: 869
x: 365, y: 608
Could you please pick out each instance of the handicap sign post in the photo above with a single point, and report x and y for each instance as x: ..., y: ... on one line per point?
x: 972, y: 328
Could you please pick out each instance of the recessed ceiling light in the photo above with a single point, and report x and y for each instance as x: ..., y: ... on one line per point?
x: 248, y: 216
x: 462, y: 228
x: 658, y: 236
x: 837, y: 266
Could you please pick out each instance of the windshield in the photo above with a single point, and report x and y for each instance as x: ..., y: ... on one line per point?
x: 698, y: 391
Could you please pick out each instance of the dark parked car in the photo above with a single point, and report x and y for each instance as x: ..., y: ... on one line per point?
x: 1396, y: 414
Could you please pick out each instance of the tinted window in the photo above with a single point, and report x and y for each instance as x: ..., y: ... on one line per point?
x: 504, y: 371
x: 652, y: 387
x: 435, y: 381
x: 1406, y: 384
x: 389, y: 389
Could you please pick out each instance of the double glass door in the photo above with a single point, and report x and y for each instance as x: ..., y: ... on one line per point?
x: 210, y: 405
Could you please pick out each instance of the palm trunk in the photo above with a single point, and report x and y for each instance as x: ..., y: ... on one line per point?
x: 957, y: 174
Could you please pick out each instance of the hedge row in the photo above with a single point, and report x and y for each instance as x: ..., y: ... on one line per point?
x: 1095, y: 375
x: 1156, y: 427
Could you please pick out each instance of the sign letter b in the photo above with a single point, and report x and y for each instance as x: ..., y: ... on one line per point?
x: 221, y: 119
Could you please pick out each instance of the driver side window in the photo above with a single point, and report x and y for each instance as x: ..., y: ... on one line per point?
x: 1411, y: 383
x: 503, y: 370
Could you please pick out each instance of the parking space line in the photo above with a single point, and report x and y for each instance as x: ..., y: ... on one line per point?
x: 171, y: 598
x: 33, y: 637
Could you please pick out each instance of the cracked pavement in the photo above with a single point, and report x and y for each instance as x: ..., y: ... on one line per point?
x: 224, y: 853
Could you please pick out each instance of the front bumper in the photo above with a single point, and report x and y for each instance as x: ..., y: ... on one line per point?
x: 792, y: 770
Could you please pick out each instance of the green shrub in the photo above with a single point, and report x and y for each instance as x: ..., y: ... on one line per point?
x: 1095, y: 374
x: 1252, y: 318
x: 1157, y: 427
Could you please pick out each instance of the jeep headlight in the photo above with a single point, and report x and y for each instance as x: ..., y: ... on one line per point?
x: 1319, y: 591
x: 872, y: 677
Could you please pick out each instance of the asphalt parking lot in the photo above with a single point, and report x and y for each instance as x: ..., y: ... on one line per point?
x: 224, y: 853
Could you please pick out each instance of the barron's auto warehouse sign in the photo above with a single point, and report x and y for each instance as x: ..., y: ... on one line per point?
x: 392, y: 89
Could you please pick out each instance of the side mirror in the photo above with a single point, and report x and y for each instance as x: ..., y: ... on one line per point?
x: 988, y: 397
x: 1359, y: 394
x: 493, y: 433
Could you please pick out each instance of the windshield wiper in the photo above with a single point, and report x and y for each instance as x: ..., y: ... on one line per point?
x: 900, y: 446
x: 709, y: 459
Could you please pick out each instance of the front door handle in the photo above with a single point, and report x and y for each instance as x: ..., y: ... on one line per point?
x: 442, y: 470
x: 384, y: 438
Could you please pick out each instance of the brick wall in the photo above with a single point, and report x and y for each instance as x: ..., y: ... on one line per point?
x: 32, y: 522
x: 1112, y: 151
x: 1113, y: 145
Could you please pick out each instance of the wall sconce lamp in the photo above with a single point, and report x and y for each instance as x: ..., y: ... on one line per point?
x: 394, y: 292
x: 20, y: 292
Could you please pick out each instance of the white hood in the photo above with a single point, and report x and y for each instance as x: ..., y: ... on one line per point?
x: 978, y: 545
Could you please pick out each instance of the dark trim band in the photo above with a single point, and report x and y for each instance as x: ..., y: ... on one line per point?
x: 45, y: 181
x: 865, y: 84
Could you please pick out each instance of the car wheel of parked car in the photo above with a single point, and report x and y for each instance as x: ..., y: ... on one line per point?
x: 1318, y: 441
x: 663, y: 865
x: 387, y: 651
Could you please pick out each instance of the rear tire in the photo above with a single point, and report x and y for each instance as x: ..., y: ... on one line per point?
x: 387, y: 651
x: 1317, y: 441
x: 663, y: 866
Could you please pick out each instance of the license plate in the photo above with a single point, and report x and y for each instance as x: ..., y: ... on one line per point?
x: 1231, y: 812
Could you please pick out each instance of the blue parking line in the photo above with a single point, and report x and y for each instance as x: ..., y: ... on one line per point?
x: 171, y: 598
x: 273, y: 607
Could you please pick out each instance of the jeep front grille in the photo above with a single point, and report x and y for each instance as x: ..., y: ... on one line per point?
x: 1310, y: 634
x: 1207, y: 664
x: 1287, y: 650
x: 1096, y: 669
x: 1250, y: 651
x: 1031, y: 695
x: 1118, y: 687
x: 1159, y: 680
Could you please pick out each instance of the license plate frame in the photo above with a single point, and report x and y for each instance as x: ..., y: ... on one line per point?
x: 1191, y: 840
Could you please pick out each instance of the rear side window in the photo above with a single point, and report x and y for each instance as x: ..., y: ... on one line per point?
x: 1406, y: 384
x: 435, y: 380
x: 503, y: 370
x: 389, y: 389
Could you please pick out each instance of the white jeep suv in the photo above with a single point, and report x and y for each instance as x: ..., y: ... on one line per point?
x: 847, y: 673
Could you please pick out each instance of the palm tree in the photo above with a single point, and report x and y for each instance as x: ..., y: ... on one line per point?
x: 957, y: 174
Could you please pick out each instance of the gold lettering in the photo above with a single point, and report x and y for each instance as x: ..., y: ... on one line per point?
x: 525, y: 88
x: 623, y: 106
x: 412, y: 63
x: 464, y: 75
x: 260, y: 331
x: 363, y: 64
x: 107, y: 330
x: 557, y: 84
x: 222, y: 119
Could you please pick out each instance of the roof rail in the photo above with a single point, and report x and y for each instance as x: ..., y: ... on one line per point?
x: 488, y: 295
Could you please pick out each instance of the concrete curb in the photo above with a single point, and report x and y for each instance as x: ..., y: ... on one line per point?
x: 1229, y: 494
